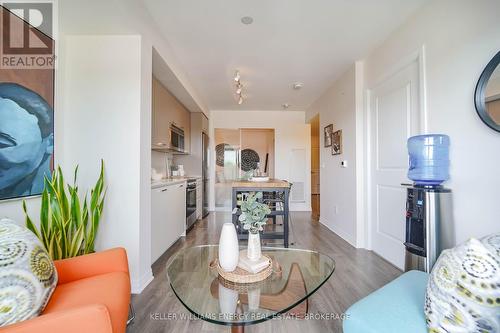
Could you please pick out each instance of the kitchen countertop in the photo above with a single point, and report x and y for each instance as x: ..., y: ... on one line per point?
x: 271, y: 183
x: 167, y: 182
x: 171, y: 181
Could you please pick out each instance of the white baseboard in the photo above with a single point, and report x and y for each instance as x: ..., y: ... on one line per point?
x: 138, y: 285
x: 342, y: 233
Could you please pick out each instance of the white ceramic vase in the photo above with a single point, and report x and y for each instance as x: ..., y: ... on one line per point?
x: 253, y: 250
x: 254, y: 299
x: 228, y: 301
x: 228, y: 248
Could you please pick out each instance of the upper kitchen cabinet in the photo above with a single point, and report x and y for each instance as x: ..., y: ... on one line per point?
x: 169, y: 115
x: 193, y: 163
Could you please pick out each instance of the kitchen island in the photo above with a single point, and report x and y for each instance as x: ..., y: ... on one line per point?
x: 276, y: 194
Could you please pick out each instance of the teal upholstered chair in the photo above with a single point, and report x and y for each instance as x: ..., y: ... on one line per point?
x: 395, y: 308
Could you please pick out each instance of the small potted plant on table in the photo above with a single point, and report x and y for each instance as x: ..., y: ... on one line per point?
x: 253, y: 218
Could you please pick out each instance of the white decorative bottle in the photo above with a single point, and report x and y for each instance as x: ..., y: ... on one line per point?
x: 253, y: 249
x: 228, y: 248
x: 228, y: 301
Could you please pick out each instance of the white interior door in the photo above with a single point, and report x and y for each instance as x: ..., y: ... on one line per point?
x: 394, y: 116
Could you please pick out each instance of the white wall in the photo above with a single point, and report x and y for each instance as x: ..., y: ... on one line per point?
x: 460, y: 38
x: 103, y: 98
x: 291, y: 132
x: 338, y: 197
x: 145, y: 276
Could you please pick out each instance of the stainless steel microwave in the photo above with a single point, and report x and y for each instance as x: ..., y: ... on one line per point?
x: 177, y: 139
x: 175, y: 142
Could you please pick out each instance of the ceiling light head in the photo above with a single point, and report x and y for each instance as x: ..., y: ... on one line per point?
x: 239, y: 88
x: 285, y: 106
x: 247, y: 20
x: 297, y: 85
x: 240, y: 100
x: 237, y: 76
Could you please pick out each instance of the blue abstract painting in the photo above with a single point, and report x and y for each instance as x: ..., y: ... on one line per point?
x: 26, y: 141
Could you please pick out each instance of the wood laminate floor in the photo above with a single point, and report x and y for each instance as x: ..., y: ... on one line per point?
x: 357, y: 273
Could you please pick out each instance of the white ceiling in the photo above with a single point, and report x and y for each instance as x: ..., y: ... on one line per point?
x: 311, y: 41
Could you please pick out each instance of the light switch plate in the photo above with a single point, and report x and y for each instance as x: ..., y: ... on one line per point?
x: 343, y: 164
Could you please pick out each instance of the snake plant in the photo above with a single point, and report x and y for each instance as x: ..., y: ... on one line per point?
x: 68, y: 226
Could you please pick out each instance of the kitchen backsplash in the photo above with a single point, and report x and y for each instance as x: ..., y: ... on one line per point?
x: 158, y: 161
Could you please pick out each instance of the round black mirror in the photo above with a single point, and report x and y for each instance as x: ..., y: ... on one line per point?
x: 487, y: 96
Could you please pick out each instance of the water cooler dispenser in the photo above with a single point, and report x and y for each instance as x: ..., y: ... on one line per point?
x: 429, y: 225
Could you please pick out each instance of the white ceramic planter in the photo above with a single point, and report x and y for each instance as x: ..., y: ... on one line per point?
x: 253, y: 250
x: 228, y: 248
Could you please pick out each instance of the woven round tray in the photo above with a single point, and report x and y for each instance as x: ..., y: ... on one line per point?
x: 239, y: 275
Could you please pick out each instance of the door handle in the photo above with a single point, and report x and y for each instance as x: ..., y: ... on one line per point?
x: 164, y: 190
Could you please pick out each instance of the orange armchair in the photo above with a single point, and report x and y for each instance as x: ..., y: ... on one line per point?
x: 92, y: 295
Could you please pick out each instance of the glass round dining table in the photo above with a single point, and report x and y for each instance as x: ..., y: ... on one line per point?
x: 297, y: 274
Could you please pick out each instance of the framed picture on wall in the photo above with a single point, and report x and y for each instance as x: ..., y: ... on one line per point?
x: 26, y: 124
x: 337, y: 142
x: 328, y: 135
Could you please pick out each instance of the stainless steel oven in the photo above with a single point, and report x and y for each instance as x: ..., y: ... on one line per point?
x: 190, y: 203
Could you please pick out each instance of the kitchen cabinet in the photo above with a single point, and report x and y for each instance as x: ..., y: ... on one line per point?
x: 168, y: 217
x: 167, y: 110
x: 194, y: 161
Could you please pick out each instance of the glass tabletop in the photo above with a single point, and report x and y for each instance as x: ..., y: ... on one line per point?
x: 297, y: 274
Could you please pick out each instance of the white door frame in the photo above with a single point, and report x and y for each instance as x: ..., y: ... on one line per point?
x: 419, y: 57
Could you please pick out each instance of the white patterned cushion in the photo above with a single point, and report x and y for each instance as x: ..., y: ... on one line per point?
x: 463, y: 292
x: 27, y: 274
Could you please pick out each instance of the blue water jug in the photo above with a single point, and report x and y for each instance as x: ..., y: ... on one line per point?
x: 429, y: 159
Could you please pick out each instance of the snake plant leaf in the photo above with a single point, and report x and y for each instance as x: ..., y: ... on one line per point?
x: 55, y: 208
x: 96, y: 207
x: 29, y: 223
x: 57, y: 246
x: 75, y: 175
x: 50, y: 246
x: 49, y: 184
x: 76, y: 212
x: 85, y: 214
x: 63, y: 244
x: 45, y: 217
x: 97, y: 191
x: 55, y: 251
x: 76, y: 242
x: 65, y: 210
x: 93, y: 229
